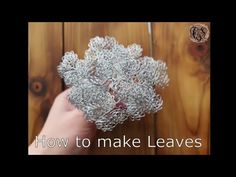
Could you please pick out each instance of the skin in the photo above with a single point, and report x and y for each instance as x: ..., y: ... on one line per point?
x: 64, y: 121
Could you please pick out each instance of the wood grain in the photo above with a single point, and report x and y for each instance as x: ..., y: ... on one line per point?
x: 77, y: 36
x: 186, y: 111
x: 45, y: 51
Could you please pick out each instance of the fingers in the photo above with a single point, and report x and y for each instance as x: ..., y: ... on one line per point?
x: 62, y: 103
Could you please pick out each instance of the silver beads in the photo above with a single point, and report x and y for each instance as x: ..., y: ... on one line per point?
x: 113, y: 83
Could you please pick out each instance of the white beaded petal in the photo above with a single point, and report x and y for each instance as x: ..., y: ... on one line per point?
x: 113, y: 83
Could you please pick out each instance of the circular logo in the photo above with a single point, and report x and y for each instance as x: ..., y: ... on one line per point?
x: 199, y: 33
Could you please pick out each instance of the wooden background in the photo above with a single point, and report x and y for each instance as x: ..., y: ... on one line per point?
x: 186, y: 110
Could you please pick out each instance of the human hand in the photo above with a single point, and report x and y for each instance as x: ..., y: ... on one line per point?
x: 64, y: 121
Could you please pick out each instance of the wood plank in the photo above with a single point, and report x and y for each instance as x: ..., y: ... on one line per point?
x: 45, y: 51
x: 77, y: 36
x: 186, y: 110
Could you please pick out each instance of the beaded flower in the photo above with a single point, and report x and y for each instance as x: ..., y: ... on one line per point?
x: 113, y: 83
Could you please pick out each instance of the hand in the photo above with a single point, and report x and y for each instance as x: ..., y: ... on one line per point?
x: 64, y: 121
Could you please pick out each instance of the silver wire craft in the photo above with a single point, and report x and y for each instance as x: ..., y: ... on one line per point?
x: 113, y: 83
